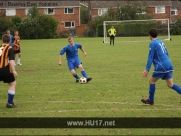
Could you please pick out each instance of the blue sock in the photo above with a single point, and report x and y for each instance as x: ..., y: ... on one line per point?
x: 176, y: 88
x: 11, y: 94
x: 152, y: 92
x: 76, y: 76
x: 84, y: 74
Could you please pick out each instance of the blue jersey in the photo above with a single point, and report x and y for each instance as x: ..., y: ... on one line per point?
x: 11, y: 40
x: 71, y: 51
x: 158, y: 55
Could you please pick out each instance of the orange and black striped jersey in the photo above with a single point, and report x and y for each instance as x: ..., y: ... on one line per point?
x: 16, y: 41
x: 6, y: 54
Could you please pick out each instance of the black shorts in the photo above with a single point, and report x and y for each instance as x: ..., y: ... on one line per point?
x: 8, y: 78
x: 17, y: 51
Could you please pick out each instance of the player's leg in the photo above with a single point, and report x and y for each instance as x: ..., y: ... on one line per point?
x: 15, y: 56
x: 152, y: 89
x: 83, y: 72
x: 72, y: 66
x: 175, y: 87
x: 110, y: 39
x: 169, y: 80
x: 9, y: 78
x: 19, y: 58
x: 113, y: 39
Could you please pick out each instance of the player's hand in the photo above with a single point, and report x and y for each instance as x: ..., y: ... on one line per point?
x: 15, y: 74
x: 85, y: 53
x: 145, y: 74
x: 60, y: 63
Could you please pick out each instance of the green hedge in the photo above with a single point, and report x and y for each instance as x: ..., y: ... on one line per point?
x: 129, y: 28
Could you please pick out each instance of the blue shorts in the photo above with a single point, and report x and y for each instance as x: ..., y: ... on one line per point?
x: 73, y: 64
x: 162, y: 75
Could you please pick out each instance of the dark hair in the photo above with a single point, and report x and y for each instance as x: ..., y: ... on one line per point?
x: 6, y: 38
x: 153, y: 32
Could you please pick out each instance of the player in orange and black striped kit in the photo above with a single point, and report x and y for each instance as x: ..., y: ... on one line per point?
x: 7, y: 69
x: 16, y: 47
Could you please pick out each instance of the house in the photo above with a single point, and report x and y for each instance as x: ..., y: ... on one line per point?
x: 158, y: 8
x: 66, y: 12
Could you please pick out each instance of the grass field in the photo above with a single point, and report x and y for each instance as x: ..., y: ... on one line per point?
x: 44, y: 89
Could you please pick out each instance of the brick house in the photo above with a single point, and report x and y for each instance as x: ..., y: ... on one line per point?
x: 66, y: 12
x: 158, y: 8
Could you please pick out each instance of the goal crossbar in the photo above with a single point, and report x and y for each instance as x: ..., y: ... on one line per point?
x: 122, y: 21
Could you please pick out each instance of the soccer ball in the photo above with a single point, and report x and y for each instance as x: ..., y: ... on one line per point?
x: 83, y: 80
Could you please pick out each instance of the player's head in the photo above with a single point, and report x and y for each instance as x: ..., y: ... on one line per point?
x: 71, y: 40
x: 6, y: 38
x: 153, y: 33
x: 16, y: 32
x: 112, y: 26
x: 8, y: 32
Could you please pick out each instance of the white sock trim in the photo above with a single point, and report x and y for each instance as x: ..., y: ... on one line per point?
x: 11, y: 92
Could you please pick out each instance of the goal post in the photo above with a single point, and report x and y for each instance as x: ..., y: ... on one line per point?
x: 137, y: 28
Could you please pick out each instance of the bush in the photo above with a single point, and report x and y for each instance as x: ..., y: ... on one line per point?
x: 89, y: 33
x: 64, y: 34
x: 176, y: 28
x: 40, y: 27
x: 48, y: 25
x: 5, y: 24
x: 16, y: 20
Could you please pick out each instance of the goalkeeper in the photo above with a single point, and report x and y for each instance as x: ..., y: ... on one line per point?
x: 112, y: 34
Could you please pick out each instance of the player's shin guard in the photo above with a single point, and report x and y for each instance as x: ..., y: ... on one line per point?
x: 84, y: 74
x: 176, y: 88
x: 11, y: 94
x: 152, y: 92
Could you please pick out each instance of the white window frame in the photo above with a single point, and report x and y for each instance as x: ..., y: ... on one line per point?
x: 174, y: 10
x: 49, y: 13
x: 10, y: 12
x: 66, y: 10
x: 160, y: 9
x: 102, y: 11
x: 72, y: 24
x: 26, y: 11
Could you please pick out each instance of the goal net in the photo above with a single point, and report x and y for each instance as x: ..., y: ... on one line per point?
x: 136, y: 28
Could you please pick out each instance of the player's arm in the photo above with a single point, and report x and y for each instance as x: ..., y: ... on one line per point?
x: 81, y: 48
x: 60, y: 56
x: 149, y: 61
x: 114, y: 32
x: 60, y: 60
x: 11, y: 62
x: 83, y: 51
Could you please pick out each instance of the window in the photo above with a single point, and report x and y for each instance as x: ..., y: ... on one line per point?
x: 159, y: 9
x: 102, y: 11
x: 69, y: 24
x: 49, y: 11
x: 10, y: 12
x: 27, y: 11
x: 69, y: 10
x: 174, y: 11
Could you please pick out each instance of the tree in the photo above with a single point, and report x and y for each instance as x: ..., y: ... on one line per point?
x: 130, y: 11
x: 84, y: 15
x: 33, y: 12
x: 5, y: 23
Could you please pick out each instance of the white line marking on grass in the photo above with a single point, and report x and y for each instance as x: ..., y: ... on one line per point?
x: 90, y: 110
x: 102, y: 102
x: 106, y: 102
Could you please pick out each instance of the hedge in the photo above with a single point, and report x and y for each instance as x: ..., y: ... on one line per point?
x: 129, y: 28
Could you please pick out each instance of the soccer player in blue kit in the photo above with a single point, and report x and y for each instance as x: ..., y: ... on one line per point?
x: 71, y: 51
x: 163, y: 68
